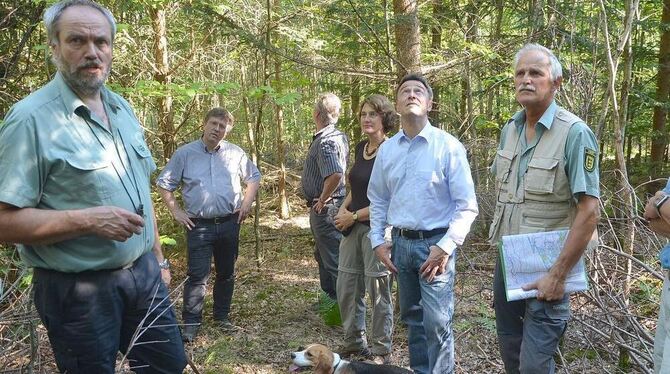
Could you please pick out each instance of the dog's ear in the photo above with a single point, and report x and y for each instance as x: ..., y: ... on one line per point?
x: 324, y: 362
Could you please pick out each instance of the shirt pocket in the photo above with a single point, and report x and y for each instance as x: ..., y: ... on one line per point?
x: 545, y: 218
x: 85, y: 179
x: 503, y: 164
x: 540, y: 177
x: 143, y: 156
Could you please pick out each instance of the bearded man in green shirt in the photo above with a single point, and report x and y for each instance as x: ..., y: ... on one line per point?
x: 75, y: 195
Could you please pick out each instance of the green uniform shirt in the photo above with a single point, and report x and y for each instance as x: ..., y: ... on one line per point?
x: 580, y: 147
x: 55, y: 154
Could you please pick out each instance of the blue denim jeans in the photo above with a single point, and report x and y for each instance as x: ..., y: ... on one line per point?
x: 426, y: 308
x: 528, y: 330
x: 220, y: 240
x: 92, y: 315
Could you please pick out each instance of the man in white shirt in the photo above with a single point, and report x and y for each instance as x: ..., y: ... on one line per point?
x: 422, y: 186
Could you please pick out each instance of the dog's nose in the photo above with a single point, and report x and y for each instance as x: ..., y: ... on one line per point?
x: 292, y: 354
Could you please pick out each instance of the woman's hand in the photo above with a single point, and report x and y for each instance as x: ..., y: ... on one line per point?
x: 344, y: 219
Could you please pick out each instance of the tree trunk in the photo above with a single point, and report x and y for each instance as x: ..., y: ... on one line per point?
x: 407, y: 36
x: 659, y: 139
x: 162, y: 75
x: 284, y: 210
x: 626, y: 205
x: 355, y: 96
x: 467, y: 107
x: 387, y: 28
x: 253, y: 145
x: 535, y: 19
x: 436, y: 46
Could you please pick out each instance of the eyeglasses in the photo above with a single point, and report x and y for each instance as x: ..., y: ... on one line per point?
x: 371, y: 114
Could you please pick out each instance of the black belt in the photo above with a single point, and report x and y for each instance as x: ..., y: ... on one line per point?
x: 215, y: 220
x: 336, y: 200
x: 420, y: 234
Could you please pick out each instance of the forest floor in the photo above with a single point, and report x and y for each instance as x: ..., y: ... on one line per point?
x: 275, y: 307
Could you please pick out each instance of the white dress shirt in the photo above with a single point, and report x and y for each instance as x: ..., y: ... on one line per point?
x: 422, y: 183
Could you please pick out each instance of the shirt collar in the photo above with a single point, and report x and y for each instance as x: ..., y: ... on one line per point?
x: 324, y: 130
x: 215, y: 150
x: 73, y: 102
x: 546, y: 120
x: 424, y: 133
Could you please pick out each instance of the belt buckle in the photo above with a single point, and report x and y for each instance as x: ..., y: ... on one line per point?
x: 420, y: 234
x: 217, y: 220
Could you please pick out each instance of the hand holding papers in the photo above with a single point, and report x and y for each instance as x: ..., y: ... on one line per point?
x: 528, y: 257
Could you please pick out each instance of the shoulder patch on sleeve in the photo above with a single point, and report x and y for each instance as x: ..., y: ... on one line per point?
x: 589, y: 159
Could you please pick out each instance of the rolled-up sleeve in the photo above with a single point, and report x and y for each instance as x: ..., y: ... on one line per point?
x: 249, y: 171
x: 170, y: 178
x: 380, y: 197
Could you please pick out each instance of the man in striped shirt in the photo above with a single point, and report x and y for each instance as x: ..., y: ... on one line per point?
x: 323, y: 186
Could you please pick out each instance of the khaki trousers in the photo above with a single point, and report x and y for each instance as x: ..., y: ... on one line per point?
x: 360, y: 270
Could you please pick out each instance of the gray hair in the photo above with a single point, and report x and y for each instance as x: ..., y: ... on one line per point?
x: 327, y: 108
x: 54, y: 12
x: 556, y: 68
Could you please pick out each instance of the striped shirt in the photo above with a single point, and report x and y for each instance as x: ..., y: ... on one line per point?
x: 327, y: 155
x: 210, y: 180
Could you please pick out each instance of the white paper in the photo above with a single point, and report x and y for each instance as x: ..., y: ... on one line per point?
x: 528, y: 257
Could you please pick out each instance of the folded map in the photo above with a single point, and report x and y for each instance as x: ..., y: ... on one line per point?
x: 527, y: 257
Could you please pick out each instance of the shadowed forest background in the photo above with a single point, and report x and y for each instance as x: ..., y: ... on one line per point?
x: 267, y: 60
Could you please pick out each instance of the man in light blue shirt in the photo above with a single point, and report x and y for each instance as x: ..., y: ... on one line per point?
x: 657, y: 212
x: 422, y: 186
x: 210, y: 171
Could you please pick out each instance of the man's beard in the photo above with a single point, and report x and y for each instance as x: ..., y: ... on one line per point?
x: 81, y: 82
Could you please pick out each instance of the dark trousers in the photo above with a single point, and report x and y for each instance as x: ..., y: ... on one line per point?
x: 92, y: 315
x: 327, y: 249
x: 222, y: 241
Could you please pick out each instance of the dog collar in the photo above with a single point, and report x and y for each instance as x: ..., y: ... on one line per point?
x: 339, y: 360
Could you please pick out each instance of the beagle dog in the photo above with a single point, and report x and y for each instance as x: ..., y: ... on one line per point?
x: 324, y: 361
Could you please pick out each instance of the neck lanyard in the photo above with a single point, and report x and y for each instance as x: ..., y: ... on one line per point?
x: 139, y: 207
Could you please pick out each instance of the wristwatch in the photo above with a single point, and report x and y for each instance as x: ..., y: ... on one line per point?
x: 165, y: 264
x: 355, y: 216
x: 660, y: 203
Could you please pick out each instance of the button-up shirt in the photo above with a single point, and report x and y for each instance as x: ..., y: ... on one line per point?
x: 55, y: 154
x: 422, y: 183
x: 327, y: 155
x: 580, y: 138
x: 210, y: 180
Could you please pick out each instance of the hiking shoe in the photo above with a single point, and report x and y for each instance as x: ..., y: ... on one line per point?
x: 226, y: 326
x: 363, y: 353
x: 188, y: 333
